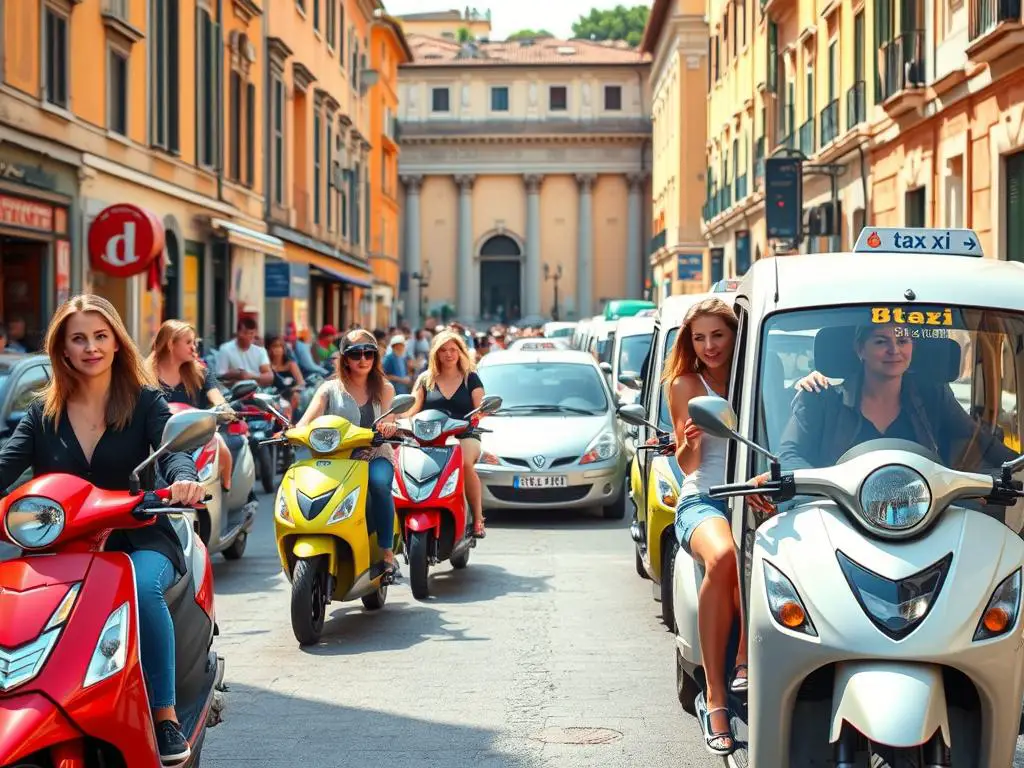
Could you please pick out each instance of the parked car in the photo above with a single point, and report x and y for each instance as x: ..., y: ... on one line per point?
x: 21, y: 378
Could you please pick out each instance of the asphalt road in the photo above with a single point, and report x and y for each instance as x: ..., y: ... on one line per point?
x: 548, y: 631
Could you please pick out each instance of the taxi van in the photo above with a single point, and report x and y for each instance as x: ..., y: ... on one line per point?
x: 655, y: 479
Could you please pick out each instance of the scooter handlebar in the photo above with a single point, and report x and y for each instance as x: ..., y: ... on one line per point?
x: 156, y: 503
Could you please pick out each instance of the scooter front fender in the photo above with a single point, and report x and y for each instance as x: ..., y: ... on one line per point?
x: 307, y: 547
x: 31, y: 723
x: 892, y: 703
x: 424, y: 520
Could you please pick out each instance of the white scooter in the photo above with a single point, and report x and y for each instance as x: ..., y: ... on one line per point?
x: 898, y: 635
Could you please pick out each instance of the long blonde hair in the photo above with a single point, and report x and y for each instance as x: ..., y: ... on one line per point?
x: 683, y: 357
x: 127, y: 377
x: 191, y: 372
x: 465, y: 362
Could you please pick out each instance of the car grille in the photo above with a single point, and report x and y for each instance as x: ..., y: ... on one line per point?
x: 20, y: 665
x: 539, y: 495
x: 559, y: 462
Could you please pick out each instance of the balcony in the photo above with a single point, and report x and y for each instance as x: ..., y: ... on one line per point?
x: 658, y: 242
x: 433, y: 129
x: 902, y: 75
x: 995, y: 29
x: 856, y: 105
x: 807, y: 145
x: 741, y: 187
x: 829, y: 118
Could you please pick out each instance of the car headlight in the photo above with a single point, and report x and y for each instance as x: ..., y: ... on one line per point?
x: 282, y: 508
x: 348, y: 506
x: 1000, y: 614
x: 34, y: 522
x: 601, y: 448
x: 894, y: 498
x: 111, y: 649
x: 784, y: 603
x: 324, y: 439
x: 450, y: 484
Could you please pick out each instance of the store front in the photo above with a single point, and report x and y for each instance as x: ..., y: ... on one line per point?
x: 286, y: 294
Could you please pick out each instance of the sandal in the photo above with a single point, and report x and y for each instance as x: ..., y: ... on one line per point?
x: 718, y: 743
x: 739, y: 684
x: 479, y: 532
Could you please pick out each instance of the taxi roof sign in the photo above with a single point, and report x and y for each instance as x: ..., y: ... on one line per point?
x: 938, y: 242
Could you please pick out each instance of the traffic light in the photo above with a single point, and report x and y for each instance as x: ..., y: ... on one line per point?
x: 783, y: 182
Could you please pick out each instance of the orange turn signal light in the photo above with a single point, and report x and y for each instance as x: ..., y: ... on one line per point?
x: 791, y: 615
x: 996, y: 619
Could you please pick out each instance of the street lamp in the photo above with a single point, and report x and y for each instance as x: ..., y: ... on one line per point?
x: 424, y: 280
x: 556, y: 275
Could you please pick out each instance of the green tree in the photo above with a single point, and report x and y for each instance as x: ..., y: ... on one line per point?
x: 618, y: 23
x: 530, y: 34
x: 464, y: 35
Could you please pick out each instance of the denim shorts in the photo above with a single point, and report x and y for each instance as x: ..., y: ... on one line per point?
x: 691, y: 511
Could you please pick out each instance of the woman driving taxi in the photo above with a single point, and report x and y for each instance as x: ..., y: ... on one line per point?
x: 450, y: 370
x: 360, y: 394
x: 99, y: 417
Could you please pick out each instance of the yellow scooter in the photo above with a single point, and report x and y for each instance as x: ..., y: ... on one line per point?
x: 325, y: 546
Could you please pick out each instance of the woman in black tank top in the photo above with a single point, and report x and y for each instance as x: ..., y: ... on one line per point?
x: 450, y: 385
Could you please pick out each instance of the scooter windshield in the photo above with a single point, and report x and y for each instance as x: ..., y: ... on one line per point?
x: 944, y: 377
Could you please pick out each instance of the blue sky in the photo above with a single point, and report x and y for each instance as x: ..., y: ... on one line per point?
x: 508, y: 16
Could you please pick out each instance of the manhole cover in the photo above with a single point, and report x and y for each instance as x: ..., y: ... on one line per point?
x: 578, y: 735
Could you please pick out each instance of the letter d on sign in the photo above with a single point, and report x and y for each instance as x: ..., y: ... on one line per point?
x: 124, y: 239
x: 128, y: 253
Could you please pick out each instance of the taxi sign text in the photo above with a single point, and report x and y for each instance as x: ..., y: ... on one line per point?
x: 937, y: 242
x: 900, y: 316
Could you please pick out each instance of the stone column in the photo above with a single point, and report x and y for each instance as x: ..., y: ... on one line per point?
x: 468, y: 286
x: 413, y: 261
x: 634, y: 244
x: 585, y: 251
x: 532, y: 274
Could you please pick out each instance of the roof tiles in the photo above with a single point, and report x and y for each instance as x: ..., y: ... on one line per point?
x: 434, y: 51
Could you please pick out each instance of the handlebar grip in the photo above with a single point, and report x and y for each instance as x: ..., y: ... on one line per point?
x: 735, y: 488
x: 163, y: 493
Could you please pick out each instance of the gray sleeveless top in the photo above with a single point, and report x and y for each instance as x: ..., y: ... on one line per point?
x: 341, y: 403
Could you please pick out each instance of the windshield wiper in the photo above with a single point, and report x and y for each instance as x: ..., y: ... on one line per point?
x: 548, y: 408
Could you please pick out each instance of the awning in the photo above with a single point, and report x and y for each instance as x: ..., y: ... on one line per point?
x: 331, y: 274
x: 244, y: 237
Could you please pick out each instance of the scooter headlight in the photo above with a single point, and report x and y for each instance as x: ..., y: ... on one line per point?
x: 785, y: 604
x: 895, y: 607
x: 427, y: 429
x: 348, y: 506
x: 894, y: 498
x: 1000, y: 614
x: 34, y: 522
x: 111, y: 649
x: 324, y: 439
x: 450, y: 484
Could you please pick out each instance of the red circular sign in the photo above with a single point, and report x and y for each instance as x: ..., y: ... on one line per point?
x: 124, y: 239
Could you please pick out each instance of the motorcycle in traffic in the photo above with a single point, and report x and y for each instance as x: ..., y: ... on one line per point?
x: 72, y: 691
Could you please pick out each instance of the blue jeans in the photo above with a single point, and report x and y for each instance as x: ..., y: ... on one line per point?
x: 154, y: 574
x: 382, y: 505
x: 691, y: 511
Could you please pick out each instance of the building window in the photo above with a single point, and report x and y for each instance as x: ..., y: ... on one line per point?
x: 341, y: 33
x: 354, y: 199
x: 833, y: 70
x: 915, y: 208
x: 301, y: 5
x: 558, y: 98
x: 55, y: 57
x: 613, y: 98
x: 329, y: 176
x: 773, y: 58
x: 250, y: 135
x: 858, y: 47
x: 329, y: 22
x: 354, y: 66
x: 117, y: 93
x: 277, y: 166
x: 208, y: 89
x: 344, y: 211
x: 235, y: 118
x: 316, y: 15
x: 316, y: 167
x: 1015, y: 207
x: 741, y: 14
x: 164, y: 39
x: 499, y: 98
x: 439, y: 100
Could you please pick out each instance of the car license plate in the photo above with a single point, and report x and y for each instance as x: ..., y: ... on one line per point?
x: 539, y: 481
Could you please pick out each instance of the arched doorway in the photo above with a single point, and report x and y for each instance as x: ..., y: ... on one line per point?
x: 500, y: 280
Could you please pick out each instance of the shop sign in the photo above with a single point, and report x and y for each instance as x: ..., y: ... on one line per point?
x: 26, y: 214
x: 63, y: 271
x: 124, y: 240
x: 689, y: 266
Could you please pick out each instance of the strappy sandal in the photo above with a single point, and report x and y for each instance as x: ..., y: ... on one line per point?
x: 718, y: 743
x: 739, y: 684
x: 388, y: 573
x: 478, y: 531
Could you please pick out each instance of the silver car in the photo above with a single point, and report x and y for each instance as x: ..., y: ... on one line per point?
x: 555, y: 443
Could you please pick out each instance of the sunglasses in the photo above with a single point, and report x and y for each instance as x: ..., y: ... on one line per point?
x: 361, y: 354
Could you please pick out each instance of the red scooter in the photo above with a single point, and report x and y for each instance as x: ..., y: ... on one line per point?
x: 72, y: 691
x: 429, y: 495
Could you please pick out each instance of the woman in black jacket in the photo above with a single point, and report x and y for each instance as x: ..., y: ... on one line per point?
x: 98, y: 418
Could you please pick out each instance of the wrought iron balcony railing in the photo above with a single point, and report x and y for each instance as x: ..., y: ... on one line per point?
x: 902, y: 64
x: 829, y: 128
x: 807, y: 145
x: 986, y: 15
x: 856, y: 105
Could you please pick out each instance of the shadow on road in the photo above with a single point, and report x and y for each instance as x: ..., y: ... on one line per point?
x: 552, y: 519
x: 265, y: 728
x: 482, y: 582
x: 350, y: 630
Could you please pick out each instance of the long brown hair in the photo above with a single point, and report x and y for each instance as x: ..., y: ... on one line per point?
x: 683, y: 357
x: 375, y: 380
x: 127, y: 377
x: 191, y: 372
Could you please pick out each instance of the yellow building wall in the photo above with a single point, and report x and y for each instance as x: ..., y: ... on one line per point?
x: 611, y: 204
x: 498, y: 202
x: 439, y: 220
x: 559, y: 236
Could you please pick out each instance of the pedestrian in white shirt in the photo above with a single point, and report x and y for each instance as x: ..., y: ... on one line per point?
x: 241, y: 358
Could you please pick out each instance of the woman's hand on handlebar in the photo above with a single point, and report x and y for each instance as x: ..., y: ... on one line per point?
x: 387, y: 430
x: 187, y: 493
x: 759, y: 502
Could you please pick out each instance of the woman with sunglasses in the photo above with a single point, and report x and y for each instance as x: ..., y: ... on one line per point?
x: 360, y: 394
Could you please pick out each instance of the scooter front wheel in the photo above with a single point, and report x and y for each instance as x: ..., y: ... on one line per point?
x: 419, y: 565
x: 309, y: 600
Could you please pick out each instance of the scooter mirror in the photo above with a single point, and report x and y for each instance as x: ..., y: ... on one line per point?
x: 263, y: 401
x: 630, y: 379
x: 188, y: 430
x: 402, y: 403
x: 606, y: 368
x: 490, y: 404
x: 633, y: 414
x: 713, y: 415
x: 243, y: 389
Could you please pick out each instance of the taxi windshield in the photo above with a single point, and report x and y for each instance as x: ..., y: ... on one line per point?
x: 943, y: 377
